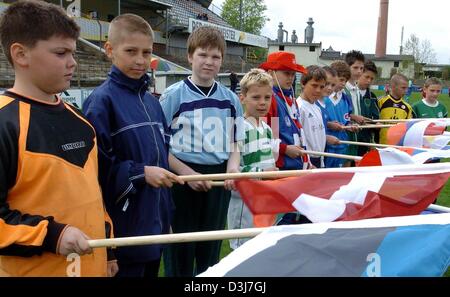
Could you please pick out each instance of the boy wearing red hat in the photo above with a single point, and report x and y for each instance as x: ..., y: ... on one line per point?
x: 283, y: 116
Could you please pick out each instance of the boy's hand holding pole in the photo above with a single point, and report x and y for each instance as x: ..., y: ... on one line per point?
x: 335, y: 126
x: 73, y: 240
x: 358, y: 119
x: 160, y: 177
x: 294, y: 151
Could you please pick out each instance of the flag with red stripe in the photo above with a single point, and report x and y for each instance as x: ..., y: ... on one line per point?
x: 332, y: 196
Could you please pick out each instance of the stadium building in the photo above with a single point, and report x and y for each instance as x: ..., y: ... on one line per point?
x: 172, y: 21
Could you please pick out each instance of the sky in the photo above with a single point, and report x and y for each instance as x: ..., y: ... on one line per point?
x: 352, y: 24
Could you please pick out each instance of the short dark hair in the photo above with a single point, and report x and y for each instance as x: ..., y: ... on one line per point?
x: 352, y: 56
x: 342, y: 69
x: 313, y: 72
x: 330, y: 70
x: 206, y: 37
x: 370, y: 66
x: 28, y: 22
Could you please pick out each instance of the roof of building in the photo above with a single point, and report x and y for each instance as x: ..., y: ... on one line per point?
x: 437, y: 65
x: 336, y: 55
x: 205, y: 3
x: 275, y: 42
x: 182, y: 10
x: 158, y: 4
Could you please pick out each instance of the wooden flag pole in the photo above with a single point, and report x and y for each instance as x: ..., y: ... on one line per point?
x: 439, y: 208
x: 405, y: 120
x: 371, y: 144
x: 291, y: 173
x: 217, y: 183
x: 333, y: 155
x: 368, y: 126
x: 243, y: 175
x: 196, y: 236
x: 176, y: 238
x: 386, y: 145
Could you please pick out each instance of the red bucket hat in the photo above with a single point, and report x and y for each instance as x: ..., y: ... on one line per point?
x: 284, y: 61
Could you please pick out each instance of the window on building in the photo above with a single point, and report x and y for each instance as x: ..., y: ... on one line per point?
x: 396, y: 63
x: 312, y: 48
x: 281, y: 48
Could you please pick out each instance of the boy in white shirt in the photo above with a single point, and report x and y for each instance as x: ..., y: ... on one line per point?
x: 313, y: 84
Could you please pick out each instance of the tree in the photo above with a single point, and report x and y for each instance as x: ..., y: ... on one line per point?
x: 252, y: 14
x: 422, y: 50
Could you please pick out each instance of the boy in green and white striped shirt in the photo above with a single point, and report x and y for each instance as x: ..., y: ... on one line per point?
x: 257, y: 149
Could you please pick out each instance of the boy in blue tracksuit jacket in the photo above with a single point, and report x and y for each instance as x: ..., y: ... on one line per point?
x: 133, y: 146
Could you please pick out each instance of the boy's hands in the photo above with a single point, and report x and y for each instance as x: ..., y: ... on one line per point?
x: 357, y: 118
x: 199, y: 186
x: 294, y: 151
x: 354, y: 128
x: 160, y: 177
x: 333, y: 140
x: 271, y: 169
x: 112, y: 268
x: 335, y: 126
x: 73, y: 240
x: 229, y: 184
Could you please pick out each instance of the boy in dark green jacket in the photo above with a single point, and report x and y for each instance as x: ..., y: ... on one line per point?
x: 368, y: 104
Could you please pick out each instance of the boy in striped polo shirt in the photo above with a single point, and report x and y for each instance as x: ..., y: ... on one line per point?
x: 257, y: 149
x: 204, y: 118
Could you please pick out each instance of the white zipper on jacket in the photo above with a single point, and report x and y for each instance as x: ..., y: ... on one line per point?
x: 157, y: 149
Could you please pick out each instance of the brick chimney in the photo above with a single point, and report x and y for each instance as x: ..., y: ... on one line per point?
x: 380, y: 50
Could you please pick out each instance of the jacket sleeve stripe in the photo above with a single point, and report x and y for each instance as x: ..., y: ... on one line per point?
x: 25, y: 235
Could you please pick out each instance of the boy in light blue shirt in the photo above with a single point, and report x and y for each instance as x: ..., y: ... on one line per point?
x: 201, y: 114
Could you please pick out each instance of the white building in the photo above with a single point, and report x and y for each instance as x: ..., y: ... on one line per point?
x: 312, y: 54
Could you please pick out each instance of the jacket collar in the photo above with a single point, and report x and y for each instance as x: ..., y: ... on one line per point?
x: 133, y: 84
x: 287, y: 93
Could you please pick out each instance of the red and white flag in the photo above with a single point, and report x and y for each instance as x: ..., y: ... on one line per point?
x: 394, y: 156
x: 326, y: 195
x: 418, y: 134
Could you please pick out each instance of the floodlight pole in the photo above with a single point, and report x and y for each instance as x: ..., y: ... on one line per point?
x: 118, y: 7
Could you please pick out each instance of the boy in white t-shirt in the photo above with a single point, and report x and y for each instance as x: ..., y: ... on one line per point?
x: 313, y: 84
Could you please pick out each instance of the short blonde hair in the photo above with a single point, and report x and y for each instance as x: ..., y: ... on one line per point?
x: 255, y: 77
x: 397, y: 78
x: 126, y: 24
x: 432, y: 81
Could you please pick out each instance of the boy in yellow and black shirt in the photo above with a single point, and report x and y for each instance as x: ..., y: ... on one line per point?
x: 50, y: 199
x: 394, y: 106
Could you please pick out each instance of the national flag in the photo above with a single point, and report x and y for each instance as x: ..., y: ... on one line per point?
x: 364, y: 192
x: 397, y: 156
x: 415, y: 133
x: 400, y: 246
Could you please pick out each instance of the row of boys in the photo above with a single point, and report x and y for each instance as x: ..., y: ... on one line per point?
x: 52, y: 194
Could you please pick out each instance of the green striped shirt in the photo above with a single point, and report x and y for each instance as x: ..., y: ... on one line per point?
x: 257, y: 147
